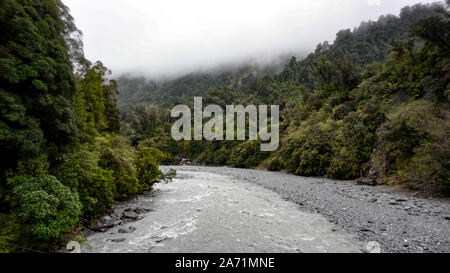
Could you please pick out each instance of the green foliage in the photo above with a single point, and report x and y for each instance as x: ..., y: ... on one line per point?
x: 343, y: 107
x: 247, y: 155
x: 62, y: 157
x: 96, y: 103
x: 169, y: 176
x: 20, y: 135
x: 309, y: 151
x: 36, y: 78
x: 217, y: 153
x: 413, y: 146
x: 37, y: 120
x: 36, y: 81
x: 135, y: 90
x: 46, y: 208
x: 146, y: 121
x: 82, y: 173
x: 107, y: 170
x: 9, y: 233
x: 367, y: 44
x: 172, y: 149
x: 117, y: 155
x: 147, y: 164
x: 373, y: 103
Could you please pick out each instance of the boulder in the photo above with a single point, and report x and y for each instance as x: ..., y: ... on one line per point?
x: 106, y: 219
x: 142, y: 210
x: 130, y: 215
x: 102, y: 227
x: 373, y: 247
x: 127, y: 230
x: 73, y: 247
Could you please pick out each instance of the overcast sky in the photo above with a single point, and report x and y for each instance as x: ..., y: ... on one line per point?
x: 169, y: 37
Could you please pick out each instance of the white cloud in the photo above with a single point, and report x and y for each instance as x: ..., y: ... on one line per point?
x: 160, y: 37
x: 374, y: 2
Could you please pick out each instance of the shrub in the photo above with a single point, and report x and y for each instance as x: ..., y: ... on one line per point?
x: 413, y: 146
x: 344, y: 164
x: 9, y: 233
x: 147, y: 164
x: 315, y: 153
x: 46, y: 208
x: 165, y: 143
x: 118, y: 156
x: 247, y: 155
x: 95, y: 185
x: 218, y: 152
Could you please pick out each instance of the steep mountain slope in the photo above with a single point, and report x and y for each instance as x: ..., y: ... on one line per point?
x: 370, y: 42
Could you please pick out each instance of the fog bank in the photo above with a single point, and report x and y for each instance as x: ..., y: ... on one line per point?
x: 173, y: 37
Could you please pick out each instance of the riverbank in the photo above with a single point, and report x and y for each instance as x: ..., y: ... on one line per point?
x: 398, y: 220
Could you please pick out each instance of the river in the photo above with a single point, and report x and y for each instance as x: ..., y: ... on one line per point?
x: 202, y: 211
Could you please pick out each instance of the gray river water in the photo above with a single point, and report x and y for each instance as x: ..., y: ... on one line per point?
x: 207, y: 212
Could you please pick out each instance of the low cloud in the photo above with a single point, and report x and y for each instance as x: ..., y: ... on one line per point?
x: 172, y: 37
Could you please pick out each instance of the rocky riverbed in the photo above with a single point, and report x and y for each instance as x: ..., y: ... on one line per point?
x: 210, y: 209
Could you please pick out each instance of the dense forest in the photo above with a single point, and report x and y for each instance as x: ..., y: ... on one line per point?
x: 63, y: 161
x: 374, y: 105
x: 139, y: 90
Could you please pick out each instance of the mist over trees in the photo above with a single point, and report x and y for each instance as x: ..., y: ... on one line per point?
x: 372, y: 104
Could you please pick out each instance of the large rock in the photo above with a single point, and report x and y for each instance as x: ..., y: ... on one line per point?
x: 130, y: 215
x: 73, y: 247
x: 127, y: 230
x: 102, y: 227
x: 106, y: 219
x: 373, y: 247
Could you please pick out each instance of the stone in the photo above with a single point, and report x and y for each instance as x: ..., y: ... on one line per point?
x: 106, y: 219
x: 127, y: 230
x: 142, y: 210
x: 130, y: 209
x: 102, y: 227
x: 373, y: 247
x: 130, y: 215
x: 73, y: 247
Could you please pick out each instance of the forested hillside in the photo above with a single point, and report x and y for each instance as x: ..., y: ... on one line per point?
x: 139, y: 90
x: 369, y: 43
x: 63, y: 162
x: 373, y: 104
x: 366, y: 44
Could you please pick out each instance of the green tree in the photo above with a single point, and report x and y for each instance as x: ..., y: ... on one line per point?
x: 46, y: 208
